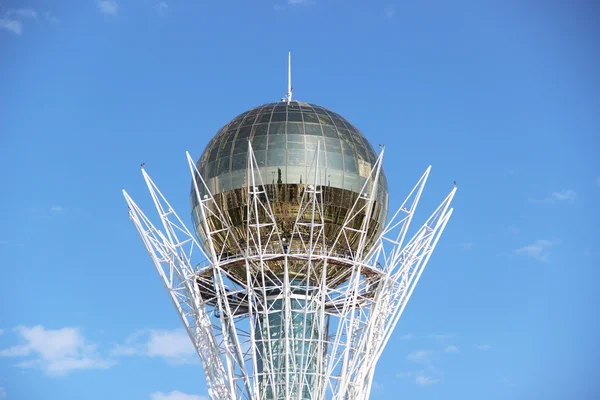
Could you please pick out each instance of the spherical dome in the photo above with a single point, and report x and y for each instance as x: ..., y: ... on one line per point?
x: 284, y: 138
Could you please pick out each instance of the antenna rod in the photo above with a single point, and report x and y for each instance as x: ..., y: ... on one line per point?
x: 289, y: 92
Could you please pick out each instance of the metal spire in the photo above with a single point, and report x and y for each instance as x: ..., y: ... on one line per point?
x: 289, y: 91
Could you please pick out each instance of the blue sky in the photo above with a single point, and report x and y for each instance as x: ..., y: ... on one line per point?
x: 501, y: 97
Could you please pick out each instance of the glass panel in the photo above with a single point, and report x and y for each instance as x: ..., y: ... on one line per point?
x: 261, y: 129
x: 276, y: 142
x: 312, y: 129
x: 338, y: 122
x: 239, y: 161
x: 350, y: 163
x: 330, y: 131
x: 276, y: 158
x: 296, y: 157
x: 241, y: 146
x: 226, y: 149
x: 278, y: 117
x: 213, y: 153
x: 249, y: 120
x: 244, y: 131
x: 312, y: 142
x: 335, y: 178
x: 296, y: 175
x: 223, y: 165
x: 260, y: 157
x: 259, y: 143
x: 333, y: 145
x: 238, y: 179
x: 324, y: 119
x: 263, y: 118
x: 351, y: 182
x: 294, y: 116
x: 212, y: 169
x: 224, y: 182
x: 295, y: 128
x: 295, y: 138
x: 277, y: 128
x: 310, y: 117
x: 335, y: 160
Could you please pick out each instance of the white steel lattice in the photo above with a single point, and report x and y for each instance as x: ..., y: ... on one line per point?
x: 273, y: 336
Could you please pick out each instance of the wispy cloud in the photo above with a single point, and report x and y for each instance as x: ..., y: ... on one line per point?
x: 299, y: 2
x: 389, y: 12
x: 22, y: 13
x: 423, y: 380
x: 176, y: 395
x: 10, y: 243
x: 554, y: 197
x: 11, y: 25
x: 55, y: 352
x: 452, y: 350
x: 406, y: 374
x: 2, y: 393
x: 162, y: 8
x: 51, y: 18
x: 442, y: 337
x: 12, y: 20
x: 407, y: 336
x: 1, y: 331
x: 540, y: 249
x: 483, y: 347
x: 58, y: 209
x: 421, y: 356
x: 108, y: 7
x: 587, y: 252
x: 173, y: 346
x: 467, y: 245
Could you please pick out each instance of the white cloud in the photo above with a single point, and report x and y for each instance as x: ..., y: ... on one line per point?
x: 564, y: 195
x: 2, y: 393
x: 11, y: 25
x: 108, y: 7
x: 22, y: 13
x: 176, y: 395
x: 483, y: 347
x: 58, y: 209
x: 442, y: 337
x: 296, y: 2
x: 161, y: 8
x: 451, y: 350
x: 390, y: 12
x: 173, y: 346
x: 1, y: 331
x: 408, y: 336
x: 420, y: 356
x: 422, y: 380
x: 540, y: 249
x: 55, y: 352
x: 51, y: 18
x: 406, y: 374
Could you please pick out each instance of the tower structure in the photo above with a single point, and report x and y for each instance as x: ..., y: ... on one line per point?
x: 293, y: 278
